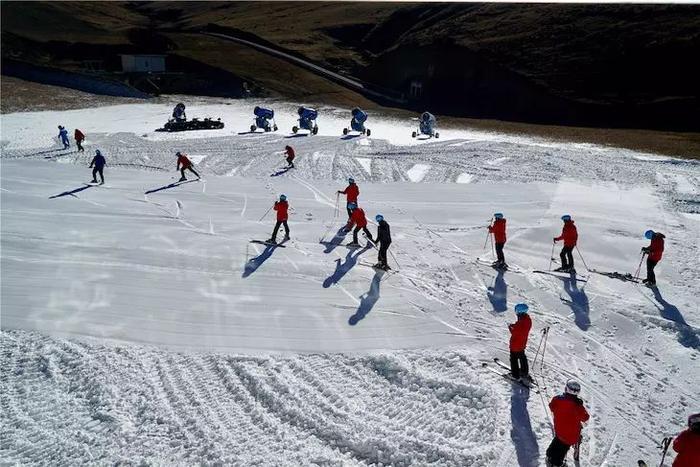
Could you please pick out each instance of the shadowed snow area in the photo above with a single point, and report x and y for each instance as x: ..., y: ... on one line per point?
x: 139, y: 324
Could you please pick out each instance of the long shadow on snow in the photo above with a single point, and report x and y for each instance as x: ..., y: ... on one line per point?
x: 498, y: 294
x: 71, y: 192
x: 335, y: 241
x: 167, y: 187
x: 524, y: 439
x: 579, y: 302
x: 254, y: 263
x: 351, y: 136
x: 686, y: 334
x: 280, y: 172
x: 368, y: 299
x: 342, y: 268
x: 298, y: 135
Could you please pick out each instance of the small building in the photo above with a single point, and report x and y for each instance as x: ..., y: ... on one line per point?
x: 143, y: 63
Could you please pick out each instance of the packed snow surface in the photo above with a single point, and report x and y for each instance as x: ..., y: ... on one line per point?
x: 140, y: 325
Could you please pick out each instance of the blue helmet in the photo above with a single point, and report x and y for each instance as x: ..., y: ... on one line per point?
x: 283, y: 197
x: 521, y: 309
x: 498, y: 215
x: 566, y: 217
x: 351, y: 180
x: 97, y: 152
x: 379, y: 218
x: 649, y: 234
x: 352, y: 206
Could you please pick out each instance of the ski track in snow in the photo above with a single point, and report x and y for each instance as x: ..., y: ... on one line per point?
x: 144, y: 328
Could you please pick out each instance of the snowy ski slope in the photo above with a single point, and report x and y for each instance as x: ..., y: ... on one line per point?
x: 140, y: 325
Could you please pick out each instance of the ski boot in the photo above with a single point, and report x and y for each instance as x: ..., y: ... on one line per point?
x: 353, y: 244
x: 271, y: 241
x: 560, y: 269
x: 93, y: 181
x: 182, y: 179
x: 286, y: 237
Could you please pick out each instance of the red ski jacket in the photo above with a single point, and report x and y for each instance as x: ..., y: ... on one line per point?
x: 687, y: 445
x: 568, y: 234
x: 656, y: 247
x: 281, y: 208
x: 519, y: 332
x: 290, y: 153
x: 79, y: 136
x: 352, y: 192
x: 569, y: 413
x: 182, y: 159
x: 498, y: 229
x: 358, y: 218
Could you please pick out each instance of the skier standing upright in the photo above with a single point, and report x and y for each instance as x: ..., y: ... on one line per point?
x: 351, y: 193
x: 63, y: 134
x: 570, y: 236
x: 186, y: 163
x: 687, y: 444
x: 654, y: 251
x: 281, y: 207
x: 384, y: 240
x: 498, y: 229
x: 519, y: 332
x: 289, y: 152
x: 357, y: 218
x: 79, y: 138
x: 98, y: 162
x: 569, y: 413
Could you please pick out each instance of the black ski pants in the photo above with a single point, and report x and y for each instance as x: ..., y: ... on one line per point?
x: 651, y: 277
x: 277, y: 227
x: 79, y: 143
x: 556, y: 452
x: 98, y: 170
x: 567, y: 257
x: 182, y: 171
x: 367, y: 232
x: 383, y: 248
x: 518, y: 364
x: 499, y: 252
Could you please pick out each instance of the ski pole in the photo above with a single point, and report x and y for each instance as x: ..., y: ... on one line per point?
x: 639, y: 268
x: 582, y: 260
x: 264, y: 215
x: 665, y: 443
x: 493, y: 252
x: 551, y: 257
x: 336, y: 213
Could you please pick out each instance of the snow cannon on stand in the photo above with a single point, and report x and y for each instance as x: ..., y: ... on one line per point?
x: 358, y: 122
x: 427, y: 126
x: 264, y: 118
x: 307, y: 120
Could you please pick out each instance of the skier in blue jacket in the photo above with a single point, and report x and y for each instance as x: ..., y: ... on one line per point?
x: 63, y: 134
x: 99, y: 163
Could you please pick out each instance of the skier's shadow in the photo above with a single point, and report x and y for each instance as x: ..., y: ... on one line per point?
x: 71, y: 192
x: 498, y: 294
x: 334, y: 242
x: 254, y: 263
x: 368, y: 299
x: 343, y: 267
x: 687, y: 336
x: 351, y: 136
x: 524, y: 439
x: 579, y: 302
x: 280, y: 172
x: 167, y: 187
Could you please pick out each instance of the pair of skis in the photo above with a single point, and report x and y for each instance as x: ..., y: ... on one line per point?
x: 665, y: 443
x: 531, y: 385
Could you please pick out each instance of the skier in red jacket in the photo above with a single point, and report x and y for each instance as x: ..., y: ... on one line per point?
x: 519, y: 332
x: 351, y: 193
x: 186, y: 163
x: 79, y: 138
x: 289, y: 152
x: 498, y: 229
x: 687, y: 444
x: 569, y: 413
x: 570, y: 237
x: 357, y: 218
x: 281, y: 207
x: 655, y: 251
